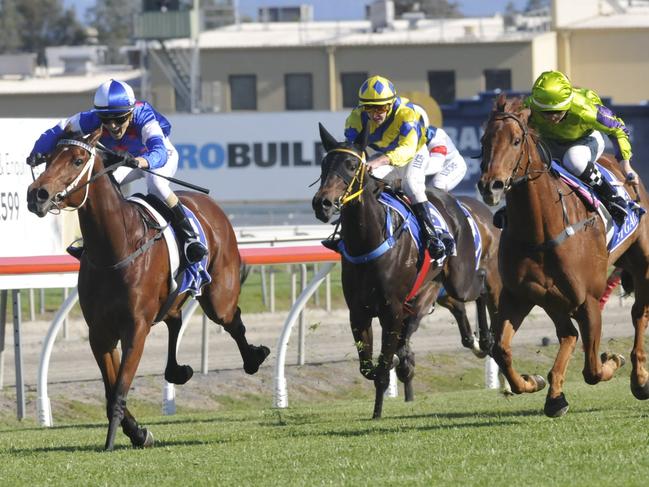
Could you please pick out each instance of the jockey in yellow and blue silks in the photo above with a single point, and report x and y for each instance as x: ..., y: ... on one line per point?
x: 397, y: 134
x: 134, y: 128
x: 571, y: 122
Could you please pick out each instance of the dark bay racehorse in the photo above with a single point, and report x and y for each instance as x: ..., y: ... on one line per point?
x: 120, y: 302
x: 553, y: 254
x: 380, y: 286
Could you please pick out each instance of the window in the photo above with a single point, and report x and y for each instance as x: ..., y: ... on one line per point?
x: 351, y: 82
x: 441, y: 86
x: 243, y: 92
x: 299, y: 91
x: 498, y: 79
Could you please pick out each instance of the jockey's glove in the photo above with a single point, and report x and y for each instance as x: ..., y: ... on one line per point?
x: 129, y: 160
x: 34, y: 160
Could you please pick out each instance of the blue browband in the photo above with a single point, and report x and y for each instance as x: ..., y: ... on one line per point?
x: 390, y: 242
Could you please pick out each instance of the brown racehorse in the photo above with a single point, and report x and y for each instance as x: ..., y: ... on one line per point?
x: 553, y: 254
x: 120, y: 302
x: 379, y: 287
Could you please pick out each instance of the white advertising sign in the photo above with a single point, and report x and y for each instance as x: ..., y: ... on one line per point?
x: 22, y: 233
x: 253, y: 157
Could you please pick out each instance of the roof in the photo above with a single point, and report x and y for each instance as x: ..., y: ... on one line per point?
x: 64, y: 83
x: 355, y: 33
x: 636, y: 18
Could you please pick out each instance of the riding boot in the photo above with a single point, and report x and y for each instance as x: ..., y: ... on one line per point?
x: 192, y: 247
x: 614, y: 203
x: 434, y: 244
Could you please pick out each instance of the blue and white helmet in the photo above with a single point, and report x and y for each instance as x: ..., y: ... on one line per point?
x: 114, y: 97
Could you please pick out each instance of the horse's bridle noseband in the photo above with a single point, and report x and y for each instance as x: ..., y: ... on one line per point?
x: 358, y: 175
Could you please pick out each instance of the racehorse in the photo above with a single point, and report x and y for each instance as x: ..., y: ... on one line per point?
x: 487, y: 302
x: 383, y: 286
x: 124, y: 273
x: 553, y: 253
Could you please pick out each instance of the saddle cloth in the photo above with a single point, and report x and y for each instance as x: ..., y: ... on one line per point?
x: 194, y: 276
x: 615, y: 234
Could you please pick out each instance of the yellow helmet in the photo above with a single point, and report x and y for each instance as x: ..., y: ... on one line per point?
x: 552, y: 91
x: 376, y: 90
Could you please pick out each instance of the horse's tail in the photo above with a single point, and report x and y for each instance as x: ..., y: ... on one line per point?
x: 627, y: 282
x: 244, y: 270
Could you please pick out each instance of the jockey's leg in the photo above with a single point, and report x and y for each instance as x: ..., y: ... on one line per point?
x: 191, y: 246
x: 414, y: 185
x: 580, y: 159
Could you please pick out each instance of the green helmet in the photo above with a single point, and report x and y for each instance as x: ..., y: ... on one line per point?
x: 376, y: 90
x: 551, y: 92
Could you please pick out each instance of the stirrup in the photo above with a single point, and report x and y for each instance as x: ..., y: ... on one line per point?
x: 331, y: 244
x: 436, y: 248
x: 75, y: 249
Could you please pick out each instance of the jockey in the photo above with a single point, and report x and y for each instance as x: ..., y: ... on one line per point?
x: 396, y: 133
x: 135, y: 127
x: 571, y: 121
x: 446, y: 166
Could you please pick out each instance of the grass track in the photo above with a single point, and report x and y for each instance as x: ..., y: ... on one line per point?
x: 472, y: 437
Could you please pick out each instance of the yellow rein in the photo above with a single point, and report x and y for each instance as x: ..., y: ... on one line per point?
x: 358, y: 176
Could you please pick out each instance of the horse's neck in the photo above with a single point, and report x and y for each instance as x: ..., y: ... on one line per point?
x: 532, y: 206
x: 362, y: 224
x: 106, y: 221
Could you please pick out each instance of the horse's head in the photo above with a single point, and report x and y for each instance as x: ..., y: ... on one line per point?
x: 343, y: 168
x: 504, y: 147
x: 67, y: 168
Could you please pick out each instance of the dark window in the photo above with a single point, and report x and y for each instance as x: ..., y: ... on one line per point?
x: 498, y: 79
x: 299, y: 91
x: 243, y: 92
x: 351, y: 82
x: 441, y: 86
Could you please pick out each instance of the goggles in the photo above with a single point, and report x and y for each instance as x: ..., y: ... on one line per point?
x: 378, y: 109
x: 119, y: 119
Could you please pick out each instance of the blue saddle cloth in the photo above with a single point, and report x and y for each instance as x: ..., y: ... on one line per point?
x: 195, y: 276
x: 616, y: 234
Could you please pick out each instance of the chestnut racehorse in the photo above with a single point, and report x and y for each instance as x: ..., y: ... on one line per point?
x: 124, y: 273
x: 379, y: 287
x: 553, y: 254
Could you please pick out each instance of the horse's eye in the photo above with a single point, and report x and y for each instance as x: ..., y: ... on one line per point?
x: 517, y: 141
x: 351, y: 165
x: 78, y: 161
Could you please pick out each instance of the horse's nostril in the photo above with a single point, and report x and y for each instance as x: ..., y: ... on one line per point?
x: 497, y: 185
x: 326, y: 204
x: 42, y: 194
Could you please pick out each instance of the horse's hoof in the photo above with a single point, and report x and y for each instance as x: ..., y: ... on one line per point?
x: 259, y: 354
x: 556, y: 407
x: 395, y: 361
x: 146, y: 443
x: 538, y: 380
x: 179, y: 375
x: 615, y: 357
x: 640, y: 392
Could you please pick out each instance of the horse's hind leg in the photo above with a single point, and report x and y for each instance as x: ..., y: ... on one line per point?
x: 509, y: 318
x: 458, y: 310
x: 640, y: 314
x: 406, y: 368
x: 174, y: 373
x: 556, y: 404
x: 228, y: 315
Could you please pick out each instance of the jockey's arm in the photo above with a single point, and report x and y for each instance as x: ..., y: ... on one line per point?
x: 405, y: 151
x: 607, y: 122
x: 153, y: 138
x: 84, y: 122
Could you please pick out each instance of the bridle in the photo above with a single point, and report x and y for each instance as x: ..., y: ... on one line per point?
x: 350, y: 180
x: 513, y: 181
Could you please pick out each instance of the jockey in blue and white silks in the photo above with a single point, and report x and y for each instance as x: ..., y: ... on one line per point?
x: 133, y: 127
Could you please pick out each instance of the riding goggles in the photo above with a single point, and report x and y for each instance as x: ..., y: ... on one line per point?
x: 119, y: 119
x: 378, y: 109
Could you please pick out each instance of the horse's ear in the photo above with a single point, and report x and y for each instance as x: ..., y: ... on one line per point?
x: 93, y: 137
x: 524, y: 114
x: 328, y: 140
x: 501, y: 102
x: 362, y: 139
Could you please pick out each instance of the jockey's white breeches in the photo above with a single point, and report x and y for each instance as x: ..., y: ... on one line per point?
x: 412, y: 175
x: 154, y: 184
x: 576, y: 155
x: 449, y: 173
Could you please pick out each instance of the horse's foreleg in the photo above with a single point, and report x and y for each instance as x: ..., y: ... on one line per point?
x: 361, y: 326
x: 589, y: 318
x: 556, y: 404
x: 639, y: 314
x: 253, y: 356
x: 511, y: 313
x: 391, y: 318
x: 174, y: 373
x: 132, y: 348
